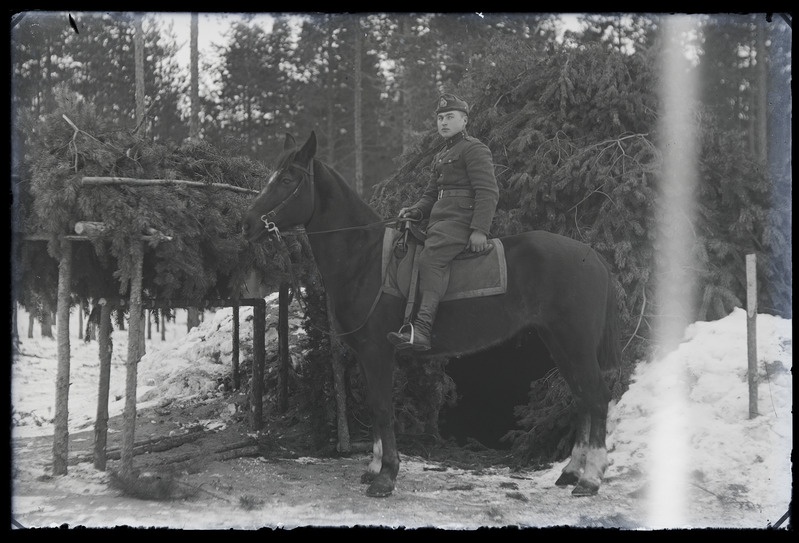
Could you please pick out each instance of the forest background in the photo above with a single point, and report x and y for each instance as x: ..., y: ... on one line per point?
x: 572, y: 118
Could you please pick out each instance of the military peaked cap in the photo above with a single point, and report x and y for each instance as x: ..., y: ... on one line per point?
x: 450, y: 102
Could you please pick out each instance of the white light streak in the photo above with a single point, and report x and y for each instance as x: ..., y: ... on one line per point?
x: 675, y: 282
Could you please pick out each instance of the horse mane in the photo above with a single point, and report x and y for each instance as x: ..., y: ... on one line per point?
x: 343, y: 188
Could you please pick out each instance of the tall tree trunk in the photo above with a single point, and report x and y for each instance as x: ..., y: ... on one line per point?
x: 106, y: 347
x: 61, y: 418
x: 192, y: 318
x: 149, y: 324
x: 47, y: 323
x: 358, y: 78
x: 31, y: 321
x: 405, y: 87
x: 15, y: 327
x: 163, y: 325
x: 761, y: 91
x: 142, y: 341
x: 194, y: 61
x: 80, y: 321
x: 139, y: 57
x: 331, y: 108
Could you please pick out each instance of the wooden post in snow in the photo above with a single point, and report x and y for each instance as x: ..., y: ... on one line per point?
x: 134, y: 333
x: 61, y: 418
x: 751, y: 330
x: 257, y: 379
x: 235, y: 361
x: 283, y: 348
x: 106, y: 347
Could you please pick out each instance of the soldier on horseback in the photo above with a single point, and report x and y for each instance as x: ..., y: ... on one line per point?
x: 460, y: 201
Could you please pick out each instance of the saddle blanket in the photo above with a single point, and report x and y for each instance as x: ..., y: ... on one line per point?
x: 484, y: 275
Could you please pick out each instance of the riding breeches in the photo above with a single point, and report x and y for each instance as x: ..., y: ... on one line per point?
x: 445, y: 240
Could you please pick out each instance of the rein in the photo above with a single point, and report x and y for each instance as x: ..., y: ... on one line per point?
x: 298, y: 231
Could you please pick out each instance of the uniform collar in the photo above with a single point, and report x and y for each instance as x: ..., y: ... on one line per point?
x: 456, y: 138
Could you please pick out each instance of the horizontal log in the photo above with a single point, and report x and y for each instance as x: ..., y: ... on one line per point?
x: 157, y: 444
x: 46, y: 237
x: 93, y: 228
x: 161, y: 182
x: 90, y: 228
x: 201, y: 304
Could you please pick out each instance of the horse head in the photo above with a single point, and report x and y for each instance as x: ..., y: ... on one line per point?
x: 287, y: 199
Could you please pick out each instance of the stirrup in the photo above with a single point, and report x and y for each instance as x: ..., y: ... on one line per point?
x: 403, y: 345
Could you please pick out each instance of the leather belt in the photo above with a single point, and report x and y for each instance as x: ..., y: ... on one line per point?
x: 445, y: 193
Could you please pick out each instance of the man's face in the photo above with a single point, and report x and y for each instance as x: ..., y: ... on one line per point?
x: 451, y: 123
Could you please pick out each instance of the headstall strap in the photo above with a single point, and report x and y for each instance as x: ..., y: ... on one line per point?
x: 271, y: 227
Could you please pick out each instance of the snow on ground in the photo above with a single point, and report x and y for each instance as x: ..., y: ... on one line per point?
x: 717, y: 448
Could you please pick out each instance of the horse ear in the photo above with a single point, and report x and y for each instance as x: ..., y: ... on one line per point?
x: 289, y: 142
x: 308, y: 150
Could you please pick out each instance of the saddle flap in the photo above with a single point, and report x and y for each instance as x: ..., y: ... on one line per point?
x: 469, y: 275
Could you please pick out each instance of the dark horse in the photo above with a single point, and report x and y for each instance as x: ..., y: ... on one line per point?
x: 558, y: 286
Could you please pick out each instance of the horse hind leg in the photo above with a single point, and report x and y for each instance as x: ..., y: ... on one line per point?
x: 588, y: 460
x: 571, y: 473
x: 596, y: 460
x: 589, y: 457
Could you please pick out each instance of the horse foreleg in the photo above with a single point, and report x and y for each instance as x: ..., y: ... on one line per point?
x: 382, y: 471
x: 382, y: 484
x: 573, y: 470
x: 377, y: 458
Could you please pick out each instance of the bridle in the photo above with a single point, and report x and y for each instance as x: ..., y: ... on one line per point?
x: 268, y: 218
x: 272, y: 229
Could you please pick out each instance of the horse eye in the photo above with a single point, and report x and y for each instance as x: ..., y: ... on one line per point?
x: 286, y: 180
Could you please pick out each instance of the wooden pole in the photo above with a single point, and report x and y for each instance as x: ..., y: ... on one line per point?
x: 257, y: 380
x: 751, y: 330
x: 236, y: 374
x: 94, y: 228
x: 106, y: 347
x: 89, y: 180
x: 61, y: 418
x: 134, y: 337
x: 283, y: 348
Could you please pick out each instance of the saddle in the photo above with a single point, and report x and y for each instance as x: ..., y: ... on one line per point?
x: 471, y: 274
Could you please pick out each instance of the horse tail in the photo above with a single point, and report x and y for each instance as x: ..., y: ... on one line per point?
x: 609, y: 354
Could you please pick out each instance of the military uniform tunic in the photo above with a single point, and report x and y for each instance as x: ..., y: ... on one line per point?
x: 461, y: 196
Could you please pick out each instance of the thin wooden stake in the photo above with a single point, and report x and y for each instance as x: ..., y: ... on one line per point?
x: 61, y: 418
x: 134, y: 354
x: 751, y: 330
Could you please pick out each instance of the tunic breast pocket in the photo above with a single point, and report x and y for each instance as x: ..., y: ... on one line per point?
x: 466, y: 203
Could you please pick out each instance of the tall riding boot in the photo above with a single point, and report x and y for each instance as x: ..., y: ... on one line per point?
x: 417, y: 335
x: 423, y: 324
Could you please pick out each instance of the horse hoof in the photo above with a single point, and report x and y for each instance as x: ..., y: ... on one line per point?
x: 567, y: 479
x: 380, y: 488
x: 368, y: 477
x: 584, y: 488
